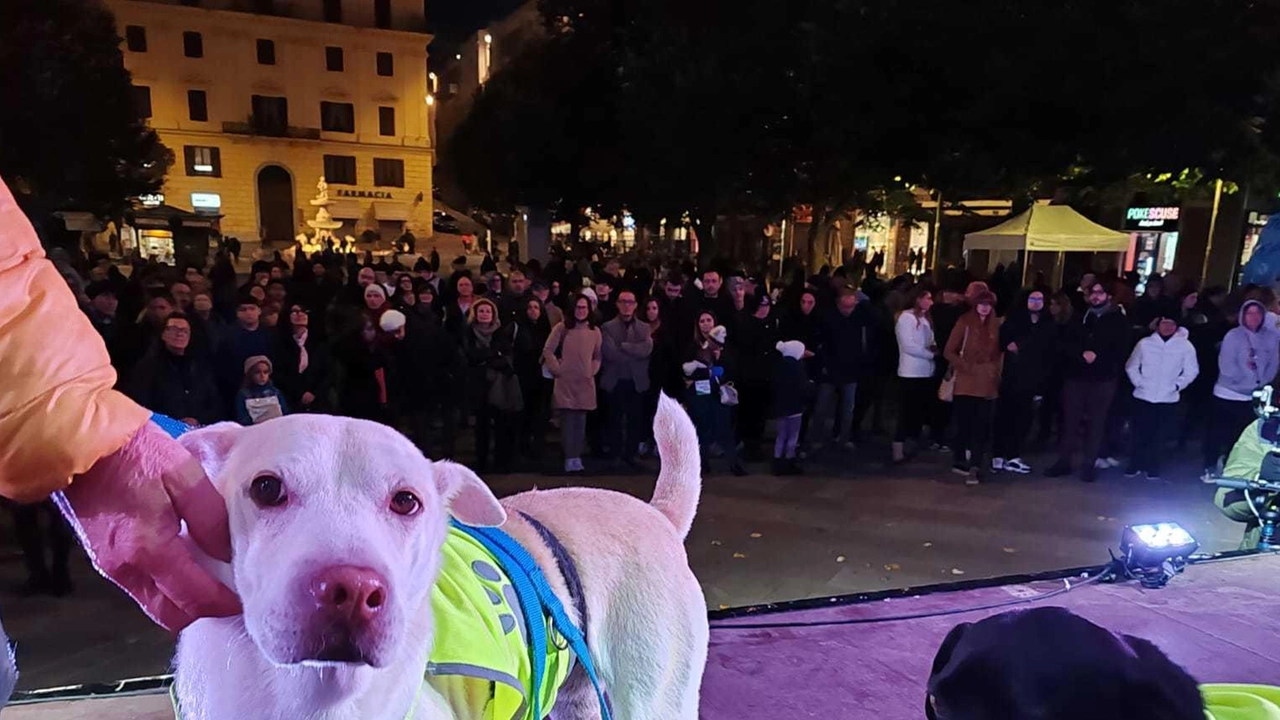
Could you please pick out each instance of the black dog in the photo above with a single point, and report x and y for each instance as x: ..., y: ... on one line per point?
x: 1049, y: 664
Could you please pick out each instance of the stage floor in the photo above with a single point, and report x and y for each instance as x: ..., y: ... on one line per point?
x: 1217, y: 619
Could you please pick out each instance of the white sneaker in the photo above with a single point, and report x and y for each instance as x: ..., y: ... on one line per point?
x: 997, y: 464
x: 1100, y: 464
x: 1016, y: 465
x: 849, y: 446
x: 1111, y: 462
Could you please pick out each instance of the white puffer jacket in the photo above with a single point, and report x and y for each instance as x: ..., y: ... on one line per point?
x: 915, y: 346
x: 1160, y: 369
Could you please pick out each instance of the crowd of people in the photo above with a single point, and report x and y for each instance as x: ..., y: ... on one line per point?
x: 580, y: 348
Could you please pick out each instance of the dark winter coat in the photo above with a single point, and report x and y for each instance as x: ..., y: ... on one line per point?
x: 847, y: 346
x: 1107, y: 335
x: 316, y: 379
x: 497, y: 356
x: 177, y: 386
x: 1027, y: 371
x: 790, y: 387
x: 754, y: 340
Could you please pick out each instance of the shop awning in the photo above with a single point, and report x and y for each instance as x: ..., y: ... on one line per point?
x: 165, y: 217
x: 1054, y: 228
x: 392, y: 211
x: 346, y: 209
x: 80, y: 221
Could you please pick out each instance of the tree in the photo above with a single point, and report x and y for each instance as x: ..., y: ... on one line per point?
x: 721, y: 107
x: 70, y: 133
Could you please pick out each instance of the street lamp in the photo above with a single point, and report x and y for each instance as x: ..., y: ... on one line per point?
x: 488, y: 38
x: 431, y: 100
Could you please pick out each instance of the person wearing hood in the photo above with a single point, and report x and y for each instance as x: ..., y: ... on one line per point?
x: 1027, y: 338
x: 973, y: 349
x: 488, y: 347
x: 1162, y: 365
x: 1248, y: 359
x: 790, y: 391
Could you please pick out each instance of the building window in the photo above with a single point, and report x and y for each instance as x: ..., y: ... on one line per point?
x: 340, y: 169
x: 135, y: 38
x: 386, y: 121
x: 197, y: 106
x: 333, y: 59
x: 192, y: 44
x: 202, y: 161
x: 388, y: 173
x: 266, y: 52
x: 333, y: 11
x: 338, y: 117
x: 270, y: 114
x: 382, y: 13
x: 142, y: 101
x: 386, y: 66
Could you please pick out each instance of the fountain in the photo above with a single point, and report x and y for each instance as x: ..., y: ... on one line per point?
x: 322, y: 237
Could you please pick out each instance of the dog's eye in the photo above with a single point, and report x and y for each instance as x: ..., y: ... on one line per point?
x: 405, y: 503
x: 267, y: 491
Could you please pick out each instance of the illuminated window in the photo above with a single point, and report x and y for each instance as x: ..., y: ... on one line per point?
x: 203, y: 161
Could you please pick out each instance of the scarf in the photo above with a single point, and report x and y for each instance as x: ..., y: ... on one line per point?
x: 301, y: 339
x: 484, y: 333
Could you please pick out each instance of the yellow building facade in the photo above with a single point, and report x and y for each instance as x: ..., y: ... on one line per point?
x: 258, y: 100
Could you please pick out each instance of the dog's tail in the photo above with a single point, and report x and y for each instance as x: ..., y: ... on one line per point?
x: 680, y: 477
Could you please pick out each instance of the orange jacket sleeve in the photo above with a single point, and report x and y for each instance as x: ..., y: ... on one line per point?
x: 58, y: 413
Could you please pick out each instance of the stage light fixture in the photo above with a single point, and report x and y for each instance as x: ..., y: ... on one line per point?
x: 1155, y: 553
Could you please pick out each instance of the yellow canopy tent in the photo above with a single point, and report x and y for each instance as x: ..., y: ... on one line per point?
x: 1053, y: 228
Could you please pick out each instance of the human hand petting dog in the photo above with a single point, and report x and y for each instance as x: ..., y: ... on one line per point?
x: 127, y: 510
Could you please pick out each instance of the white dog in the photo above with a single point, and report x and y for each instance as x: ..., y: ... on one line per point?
x: 320, y: 502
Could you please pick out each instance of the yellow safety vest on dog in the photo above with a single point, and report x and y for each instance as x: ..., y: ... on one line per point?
x: 480, y: 635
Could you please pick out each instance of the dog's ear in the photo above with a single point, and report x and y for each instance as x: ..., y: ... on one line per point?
x: 211, y: 445
x: 466, y: 496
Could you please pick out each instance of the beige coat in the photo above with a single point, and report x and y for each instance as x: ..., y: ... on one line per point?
x: 576, y: 368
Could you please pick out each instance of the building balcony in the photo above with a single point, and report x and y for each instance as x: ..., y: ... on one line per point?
x: 263, y: 129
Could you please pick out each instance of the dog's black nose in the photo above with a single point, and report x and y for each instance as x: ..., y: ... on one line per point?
x: 349, y: 593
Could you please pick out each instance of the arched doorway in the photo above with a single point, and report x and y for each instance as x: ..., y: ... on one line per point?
x: 275, y: 204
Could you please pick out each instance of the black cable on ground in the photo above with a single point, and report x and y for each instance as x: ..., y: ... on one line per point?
x: 1096, y: 575
x: 730, y: 625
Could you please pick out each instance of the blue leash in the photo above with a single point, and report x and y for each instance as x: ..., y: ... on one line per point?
x: 534, y: 592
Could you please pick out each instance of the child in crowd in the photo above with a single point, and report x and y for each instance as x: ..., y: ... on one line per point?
x: 791, y: 391
x: 259, y: 400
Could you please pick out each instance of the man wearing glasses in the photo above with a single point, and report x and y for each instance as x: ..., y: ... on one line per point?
x: 172, y: 381
x: 624, y: 376
x: 1094, y: 350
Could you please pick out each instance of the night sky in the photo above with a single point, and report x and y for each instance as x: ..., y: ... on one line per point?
x: 450, y: 20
